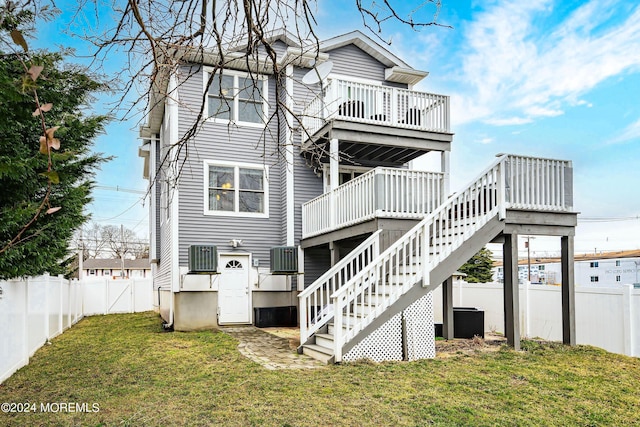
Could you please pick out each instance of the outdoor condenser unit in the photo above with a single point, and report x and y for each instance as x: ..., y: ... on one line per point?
x: 284, y: 260
x: 203, y: 259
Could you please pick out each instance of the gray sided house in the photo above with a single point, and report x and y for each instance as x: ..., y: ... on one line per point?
x: 321, y: 221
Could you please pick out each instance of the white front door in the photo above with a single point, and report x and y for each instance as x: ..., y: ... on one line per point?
x: 234, y: 301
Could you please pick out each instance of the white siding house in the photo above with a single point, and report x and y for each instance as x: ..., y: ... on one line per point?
x: 610, y: 269
x: 116, y: 268
x: 313, y: 208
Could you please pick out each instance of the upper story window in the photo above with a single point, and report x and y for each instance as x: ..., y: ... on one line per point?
x: 236, y: 189
x: 593, y: 264
x: 617, y: 263
x: 238, y: 97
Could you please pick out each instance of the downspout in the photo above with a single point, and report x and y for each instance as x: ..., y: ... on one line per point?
x: 290, y: 189
x: 172, y: 109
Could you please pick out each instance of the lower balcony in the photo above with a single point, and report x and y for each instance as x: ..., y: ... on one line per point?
x: 380, y: 193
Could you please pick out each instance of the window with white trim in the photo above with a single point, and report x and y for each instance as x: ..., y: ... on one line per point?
x: 236, y: 189
x: 238, y: 97
x: 595, y: 279
x: 618, y: 278
x: 593, y: 264
x: 617, y: 263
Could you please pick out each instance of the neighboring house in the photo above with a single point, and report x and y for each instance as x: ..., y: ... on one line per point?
x: 323, y: 217
x: 599, y: 269
x: 116, y: 269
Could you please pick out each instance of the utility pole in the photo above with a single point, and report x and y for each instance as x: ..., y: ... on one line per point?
x: 528, y: 246
x: 528, y: 260
x: 122, y: 251
x: 80, y: 256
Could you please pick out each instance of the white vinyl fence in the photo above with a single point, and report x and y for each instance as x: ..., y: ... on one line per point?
x: 34, y: 310
x: 608, y: 318
x: 106, y: 296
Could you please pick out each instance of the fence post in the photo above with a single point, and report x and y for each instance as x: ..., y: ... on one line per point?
x: 60, y: 306
x: 69, y: 296
x: 627, y: 316
x: 47, y: 313
x: 133, y: 295
x: 25, y: 323
x: 527, y: 309
x: 106, y: 296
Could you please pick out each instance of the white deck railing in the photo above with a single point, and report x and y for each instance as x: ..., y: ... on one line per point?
x: 538, y: 184
x: 512, y: 181
x: 381, y: 192
x: 376, y: 104
x: 315, y: 308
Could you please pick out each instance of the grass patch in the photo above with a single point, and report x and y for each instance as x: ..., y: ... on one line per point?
x: 141, y: 375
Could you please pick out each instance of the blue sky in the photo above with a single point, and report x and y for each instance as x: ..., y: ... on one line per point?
x: 544, y: 78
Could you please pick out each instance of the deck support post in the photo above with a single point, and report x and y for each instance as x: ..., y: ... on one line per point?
x: 335, y: 253
x: 447, y: 309
x: 568, y: 291
x: 511, y: 291
x: 445, y: 167
x: 334, y: 179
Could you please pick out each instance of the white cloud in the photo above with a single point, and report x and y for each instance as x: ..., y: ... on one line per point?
x: 511, y: 121
x: 485, y: 140
x: 536, y: 110
x: 631, y: 132
x: 519, y: 66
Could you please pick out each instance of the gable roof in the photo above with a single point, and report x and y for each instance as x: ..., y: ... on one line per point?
x: 365, y: 43
x: 397, y: 70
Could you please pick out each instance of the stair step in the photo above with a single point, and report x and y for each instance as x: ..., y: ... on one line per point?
x: 364, y: 307
x: 324, y: 340
x: 323, y: 354
x: 391, y: 288
x: 330, y: 328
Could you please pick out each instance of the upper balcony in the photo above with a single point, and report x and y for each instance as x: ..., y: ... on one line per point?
x: 376, y: 125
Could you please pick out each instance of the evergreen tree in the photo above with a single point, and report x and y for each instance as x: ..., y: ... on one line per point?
x: 478, y: 268
x: 30, y: 181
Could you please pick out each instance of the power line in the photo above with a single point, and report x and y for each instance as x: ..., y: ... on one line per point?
x: 120, y: 189
x: 608, y: 219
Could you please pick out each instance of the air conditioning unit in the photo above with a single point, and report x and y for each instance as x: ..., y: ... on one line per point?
x: 203, y: 259
x: 284, y: 260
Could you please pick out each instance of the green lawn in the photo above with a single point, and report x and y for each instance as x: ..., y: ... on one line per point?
x: 139, y: 375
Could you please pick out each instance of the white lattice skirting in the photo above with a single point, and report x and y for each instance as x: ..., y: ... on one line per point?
x: 386, y: 342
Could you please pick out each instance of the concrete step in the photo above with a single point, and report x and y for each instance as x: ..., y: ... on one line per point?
x: 325, y: 340
x: 323, y: 354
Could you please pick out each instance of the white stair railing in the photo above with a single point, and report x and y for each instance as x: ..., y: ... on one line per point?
x: 315, y: 309
x: 509, y: 182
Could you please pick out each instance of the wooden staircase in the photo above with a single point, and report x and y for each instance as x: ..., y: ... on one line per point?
x: 352, y: 303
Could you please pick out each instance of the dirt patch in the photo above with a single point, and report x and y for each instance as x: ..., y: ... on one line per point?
x: 290, y: 333
x: 458, y: 346
x: 444, y: 348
